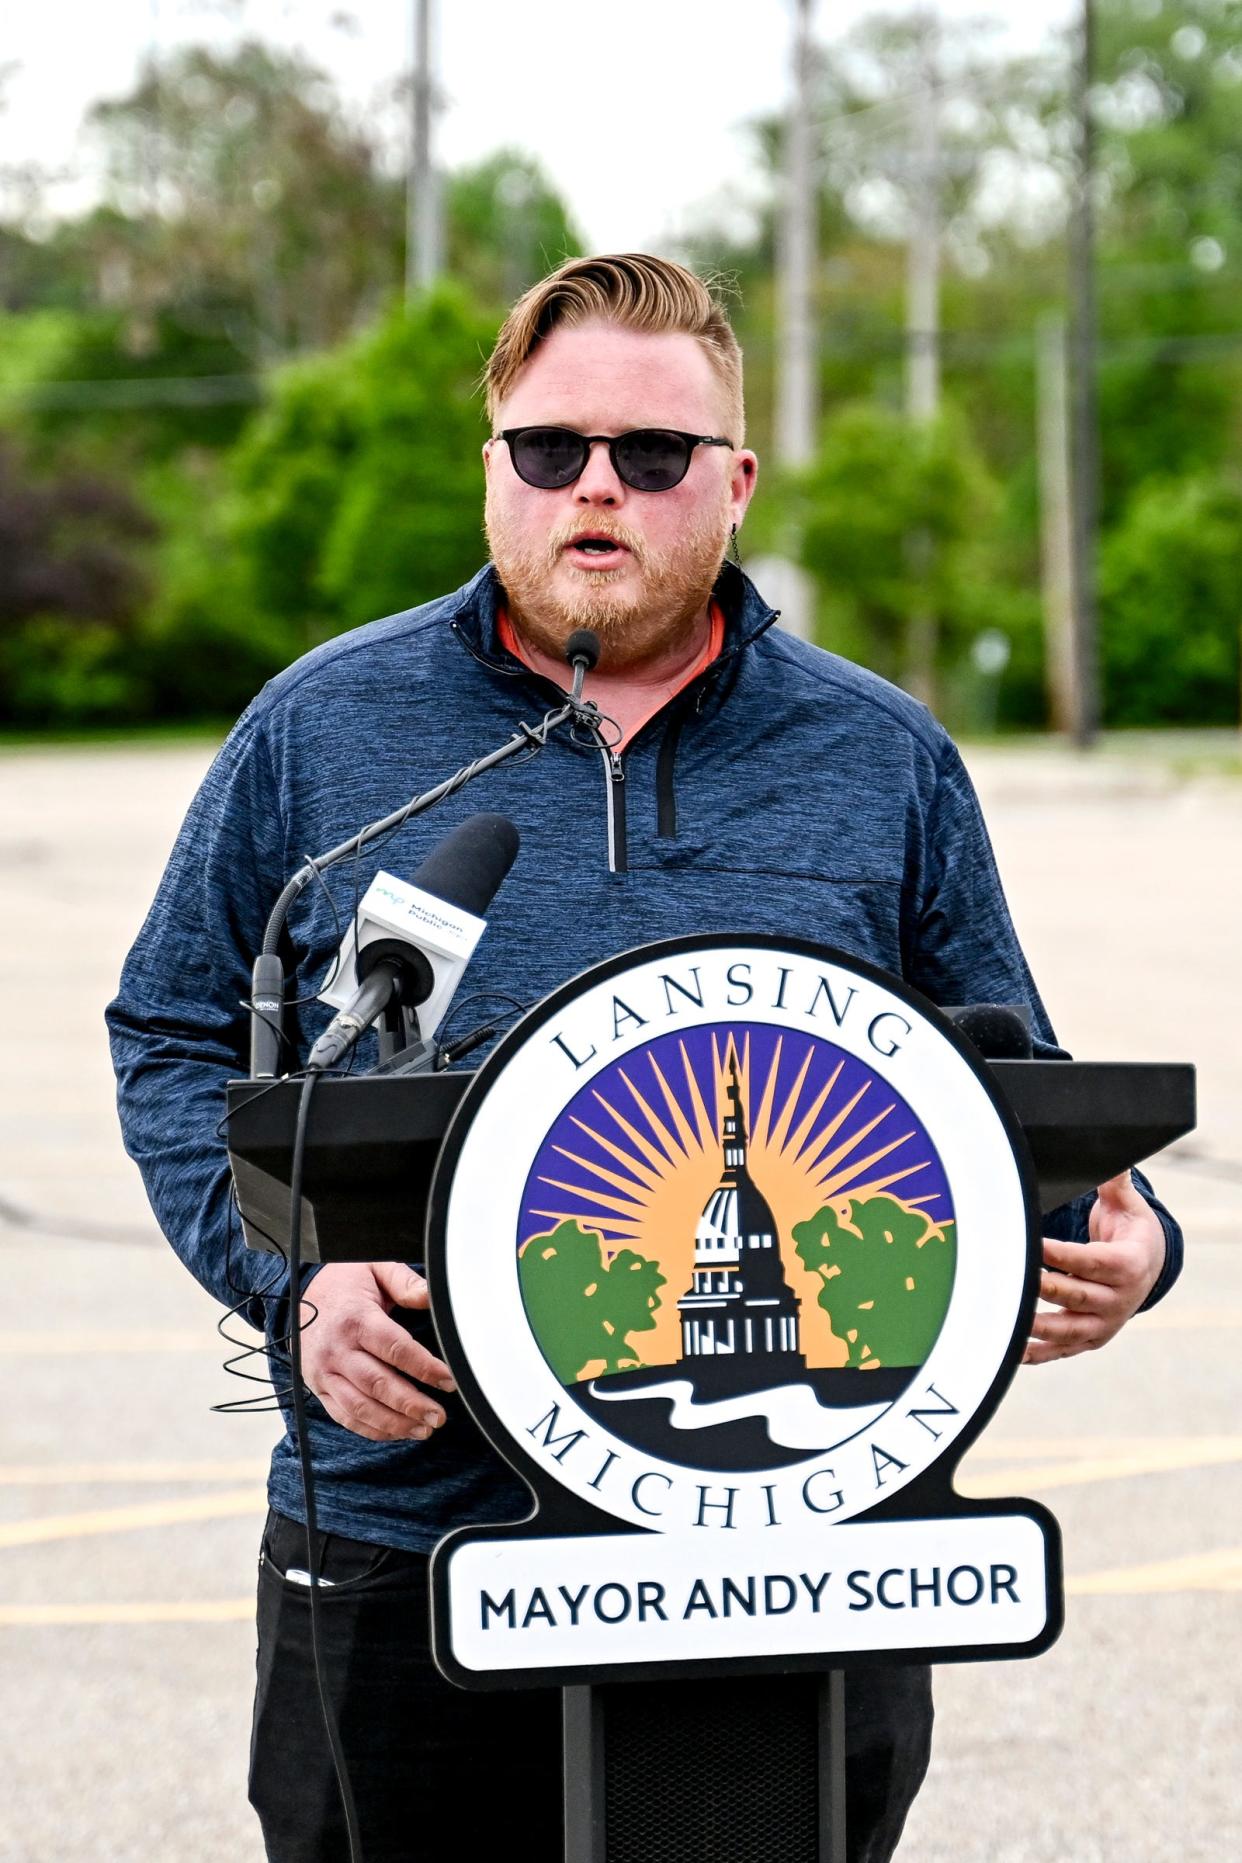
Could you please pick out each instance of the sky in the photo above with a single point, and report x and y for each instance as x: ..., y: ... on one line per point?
x: 637, y: 112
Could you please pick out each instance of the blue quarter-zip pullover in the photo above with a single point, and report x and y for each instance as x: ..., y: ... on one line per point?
x: 785, y: 791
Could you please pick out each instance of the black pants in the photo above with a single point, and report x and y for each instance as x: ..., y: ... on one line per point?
x: 433, y: 1765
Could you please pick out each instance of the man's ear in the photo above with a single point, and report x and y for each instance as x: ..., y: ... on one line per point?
x: 745, y: 475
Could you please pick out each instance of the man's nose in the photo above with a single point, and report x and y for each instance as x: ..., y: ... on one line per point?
x: 598, y: 483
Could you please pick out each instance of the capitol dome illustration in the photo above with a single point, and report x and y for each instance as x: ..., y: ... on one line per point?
x: 739, y: 1317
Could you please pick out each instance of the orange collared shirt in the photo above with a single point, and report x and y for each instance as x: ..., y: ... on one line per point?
x: 630, y: 701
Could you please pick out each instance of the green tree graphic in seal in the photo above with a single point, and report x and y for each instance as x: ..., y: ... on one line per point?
x: 581, y: 1310
x: 887, y: 1273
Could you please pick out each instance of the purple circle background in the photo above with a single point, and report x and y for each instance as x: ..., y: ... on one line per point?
x: 928, y: 1182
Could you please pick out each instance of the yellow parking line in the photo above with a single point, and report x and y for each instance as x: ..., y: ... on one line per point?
x: 1154, y: 1458
x: 54, y: 1474
x: 62, y: 1344
x: 1214, y: 1571
x: 126, y: 1519
x: 207, y: 1611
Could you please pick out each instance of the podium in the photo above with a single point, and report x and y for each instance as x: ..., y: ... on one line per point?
x: 374, y: 1141
x: 380, y: 1158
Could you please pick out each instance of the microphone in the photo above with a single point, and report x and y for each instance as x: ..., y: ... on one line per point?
x: 999, y: 1031
x: 411, y: 940
x: 582, y: 650
x: 267, y: 1006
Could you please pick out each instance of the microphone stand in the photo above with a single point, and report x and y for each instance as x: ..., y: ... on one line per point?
x: 268, y: 977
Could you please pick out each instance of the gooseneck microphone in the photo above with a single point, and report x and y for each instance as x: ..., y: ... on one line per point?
x: 582, y: 650
x: 267, y: 996
x: 409, y: 948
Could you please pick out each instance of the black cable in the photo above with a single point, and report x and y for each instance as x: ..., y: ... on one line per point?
x: 308, y: 1474
x: 271, y: 1289
x: 480, y: 996
x: 252, y: 1009
x: 335, y: 965
x: 597, y: 740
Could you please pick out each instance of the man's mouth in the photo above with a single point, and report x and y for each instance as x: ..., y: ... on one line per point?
x: 596, y: 550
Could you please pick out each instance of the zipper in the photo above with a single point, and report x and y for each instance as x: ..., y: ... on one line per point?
x: 614, y: 768
x: 666, y: 798
x: 666, y: 761
x: 618, y: 858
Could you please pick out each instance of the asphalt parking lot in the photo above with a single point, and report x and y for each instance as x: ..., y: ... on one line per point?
x: 130, y: 1514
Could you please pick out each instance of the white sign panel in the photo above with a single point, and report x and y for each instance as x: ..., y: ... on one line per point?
x: 861, y: 1586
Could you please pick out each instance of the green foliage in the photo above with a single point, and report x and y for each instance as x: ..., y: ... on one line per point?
x: 236, y: 183
x: 72, y: 578
x: 887, y: 1274
x: 880, y: 487
x: 94, y: 385
x: 316, y: 463
x: 354, y: 492
x: 1167, y: 107
x: 212, y: 341
x: 506, y: 228
x: 1171, y: 604
x: 205, y: 642
x: 56, y: 672
x: 358, y: 490
x: 33, y: 348
x: 580, y: 1310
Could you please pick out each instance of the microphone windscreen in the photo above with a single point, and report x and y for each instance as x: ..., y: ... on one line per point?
x: 468, y: 866
x: 997, y: 1031
x: 583, y: 645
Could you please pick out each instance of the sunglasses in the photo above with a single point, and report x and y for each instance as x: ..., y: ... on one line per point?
x: 651, y: 459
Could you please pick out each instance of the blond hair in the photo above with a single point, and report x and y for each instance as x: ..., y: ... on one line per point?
x: 628, y: 288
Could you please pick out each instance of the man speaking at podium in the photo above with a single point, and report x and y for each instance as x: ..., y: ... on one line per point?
x: 756, y: 784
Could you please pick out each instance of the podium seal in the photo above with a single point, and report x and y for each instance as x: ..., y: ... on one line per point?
x: 733, y: 1248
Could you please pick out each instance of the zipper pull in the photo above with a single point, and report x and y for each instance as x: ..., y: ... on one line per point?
x: 615, y: 767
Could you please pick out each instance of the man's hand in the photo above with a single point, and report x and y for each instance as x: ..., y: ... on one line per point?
x: 1095, y: 1286
x: 354, y: 1355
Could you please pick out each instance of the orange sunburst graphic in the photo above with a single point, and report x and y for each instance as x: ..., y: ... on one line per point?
x: 637, y: 1162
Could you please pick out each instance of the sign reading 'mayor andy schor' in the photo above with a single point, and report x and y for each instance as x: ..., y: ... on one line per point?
x: 733, y: 1248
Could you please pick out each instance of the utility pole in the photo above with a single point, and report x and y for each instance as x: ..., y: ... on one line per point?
x: 923, y: 253
x: 424, y: 256
x: 797, y: 398
x: 1084, y: 402
x: 153, y: 140
x: 923, y: 347
x: 1056, y: 521
x: 797, y: 401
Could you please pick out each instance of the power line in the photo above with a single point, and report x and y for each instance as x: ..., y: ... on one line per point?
x: 957, y: 347
x: 186, y: 391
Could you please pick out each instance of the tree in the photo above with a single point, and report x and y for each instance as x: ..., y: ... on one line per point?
x: 506, y: 227
x: 1171, y: 603
x: 71, y: 581
x: 102, y: 394
x: 887, y: 1273
x: 877, y: 480
x: 357, y: 491
x: 1168, y: 92
x: 581, y: 1310
x: 238, y: 184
